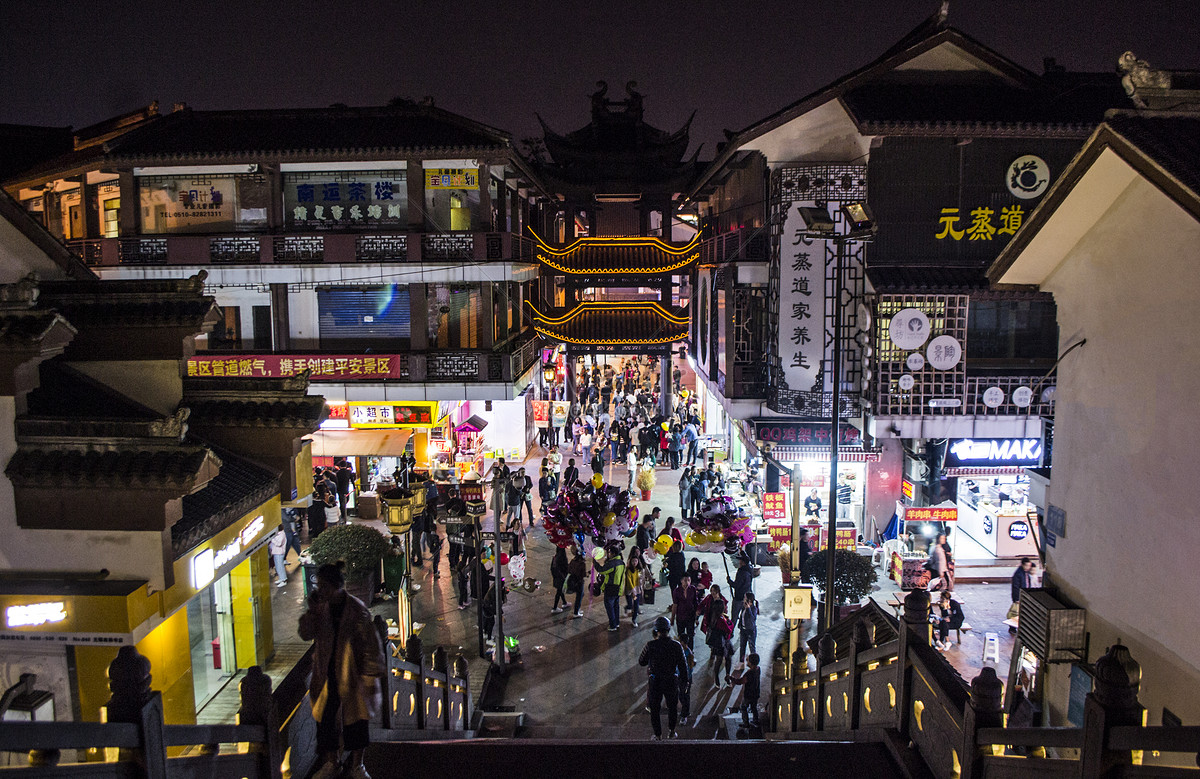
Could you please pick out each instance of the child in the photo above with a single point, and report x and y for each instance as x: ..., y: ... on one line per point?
x: 705, y: 577
x: 751, y: 678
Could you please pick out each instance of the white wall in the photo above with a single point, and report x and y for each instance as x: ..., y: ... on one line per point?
x: 506, y: 424
x: 19, y: 257
x: 126, y: 555
x: 1125, y: 439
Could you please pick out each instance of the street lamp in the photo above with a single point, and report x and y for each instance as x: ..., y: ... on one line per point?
x: 860, y: 227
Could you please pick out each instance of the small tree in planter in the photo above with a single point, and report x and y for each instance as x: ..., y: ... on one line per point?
x: 854, y: 576
x: 358, y: 546
x: 646, y: 480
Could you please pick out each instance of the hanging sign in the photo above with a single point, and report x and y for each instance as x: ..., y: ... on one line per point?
x: 559, y: 413
x: 452, y: 178
x: 976, y: 452
x: 931, y: 514
x: 412, y: 414
x: 541, y: 413
x: 944, y: 352
x: 774, y: 505
x: 801, y: 302
x: 909, y: 329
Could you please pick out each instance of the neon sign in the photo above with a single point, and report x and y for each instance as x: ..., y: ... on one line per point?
x: 994, y: 451
x: 35, y: 614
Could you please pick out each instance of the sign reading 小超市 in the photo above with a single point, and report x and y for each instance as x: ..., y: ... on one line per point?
x: 774, y: 505
x: 931, y: 514
x: 410, y: 414
x: 804, y: 433
x: 324, y: 367
x: 983, y: 452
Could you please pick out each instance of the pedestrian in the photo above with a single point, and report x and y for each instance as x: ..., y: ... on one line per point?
x: 718, y: 635
x: 812, y: 504
x: 291, y: 531
x: 667, y: 673
x: 685, y: 600
x: 673, y: 562
x: 689, y: 439
x: 348, y: 663
x: 631, y: 466
x: 545, y: 487
x: 706, y: 579
x: 644, y: 536
x: 558, y: 574
x: 712, y: 600
x: 634, y: 568
x: 316, y: 516
x: 278, y: 547
x: 676, y: 447
x: 844, y: 493
x: 570, y: 474
x: 804, y: 551
x: 747, y: 625
x: 576, y: 572
x: 526, y: 485
x: 740, y: 584
x: 685, y: 493
x: 466, y: 561
x: 951, y: 618
x: 699, y: 490
x: 693, y: 571
x: 345, y: 480
x: 513, y: 497
x: 434, y: 543
x: 612, y: 576
x: 938, y: 565
x: 1022, y: 579
x: 597, y: 461
x: 751, y: 678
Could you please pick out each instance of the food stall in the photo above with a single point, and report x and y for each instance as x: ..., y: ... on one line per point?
x: 470, y: 446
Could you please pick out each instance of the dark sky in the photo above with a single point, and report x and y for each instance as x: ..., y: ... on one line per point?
x: 75, y: 63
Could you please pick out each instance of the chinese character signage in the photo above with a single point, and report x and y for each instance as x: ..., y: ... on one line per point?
x: 414, y: 414
x: 188, y: 204
x: 452, y: 178
x: 906, y: 488
x: 938, y: 201
x: 774, y: 505
x: 931, y: 514
x: 804, y: 433
x: 541, y: 413
x: 561, y: 409
x: 984, y: 452
x: 801, y: 303
x: 326, y: 367
x: 339, y: 199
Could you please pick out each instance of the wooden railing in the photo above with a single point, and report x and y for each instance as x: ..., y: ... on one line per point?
x: 275, y: 734
x: 907, y: 687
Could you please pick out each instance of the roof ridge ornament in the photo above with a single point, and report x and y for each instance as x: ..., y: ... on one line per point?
x: 21, y: 294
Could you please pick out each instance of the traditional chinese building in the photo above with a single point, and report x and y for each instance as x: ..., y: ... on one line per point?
x: 134, y: 506
x: 382, y: 249
x: 950, y: 145
x: 615, y: 262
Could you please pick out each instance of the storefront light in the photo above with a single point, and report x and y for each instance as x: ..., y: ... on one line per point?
x: 33, y: 614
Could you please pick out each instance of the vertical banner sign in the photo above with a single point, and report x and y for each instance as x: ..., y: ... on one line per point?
x: 801, y: 303
x: 560, y: 410
x: 541, y: 413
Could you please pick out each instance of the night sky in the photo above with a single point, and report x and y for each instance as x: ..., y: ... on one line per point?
x: 75, y: 63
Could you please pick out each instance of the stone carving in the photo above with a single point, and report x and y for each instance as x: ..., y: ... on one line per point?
x: 1137, y: 74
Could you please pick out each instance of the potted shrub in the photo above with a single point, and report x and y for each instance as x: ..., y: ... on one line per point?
x: 646, y: 480
x: 358, y: 546
x: 854, y: 577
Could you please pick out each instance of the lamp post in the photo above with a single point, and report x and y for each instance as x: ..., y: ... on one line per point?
x: 860, y: 226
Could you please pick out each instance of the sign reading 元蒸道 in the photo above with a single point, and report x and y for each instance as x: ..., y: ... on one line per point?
x: 801, y: 302
x: 325, y: 367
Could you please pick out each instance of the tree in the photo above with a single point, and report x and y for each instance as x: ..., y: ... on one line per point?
x: 854, y: 575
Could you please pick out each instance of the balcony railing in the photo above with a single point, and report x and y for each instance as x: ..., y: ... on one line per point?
x: 746, y: 245
x: 304, y: 248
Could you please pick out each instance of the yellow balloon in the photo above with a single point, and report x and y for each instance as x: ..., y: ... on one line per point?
x: 665, y: 426
x: 663, y: 544
x: 597, y: 480
x: 715, y: 536
x: 683, y: 393
x: 609, y: 519
x: 694, y: 539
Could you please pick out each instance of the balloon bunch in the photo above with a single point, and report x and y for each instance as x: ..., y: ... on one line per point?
x: 718, y: 527
x: 597, y: 511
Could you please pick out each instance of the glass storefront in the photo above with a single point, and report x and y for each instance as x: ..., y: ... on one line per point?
x: 210, y: 636
x: 203, y: 203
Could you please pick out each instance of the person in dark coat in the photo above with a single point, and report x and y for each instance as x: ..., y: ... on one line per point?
x: 740, y: 583
x: 316, y: 516
x: 805, y: 551
x: 558, y: 574
x: 668, y: 672
x: 345, y: 478
x: 570, y: 474
x: 1022, y: 579
x: 685, y: 600
x: 951, y: 618
x: 576, y: 574
x: 676, y: 565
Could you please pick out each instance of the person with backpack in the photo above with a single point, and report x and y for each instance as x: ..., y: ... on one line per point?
x: 667, y: 673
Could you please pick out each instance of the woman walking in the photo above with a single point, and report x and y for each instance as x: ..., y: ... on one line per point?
x: 747, y: 627
x: 685, y: 493
x: 718, y: 634
x: 576, y: 571
x: 558, y: 574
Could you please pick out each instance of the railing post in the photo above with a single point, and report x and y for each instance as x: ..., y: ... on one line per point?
x: 985, y: 709
x: 385, y: 684
x: 134, y: 702
x: 1112, y: 703
x: 799, y: 668
x: 441, y: 665
x: 826, y: 656
x: 258, y: 708
x: 414, y: 653
x: 914, y: 627
x: 864, y: 639
x: 462, y: 671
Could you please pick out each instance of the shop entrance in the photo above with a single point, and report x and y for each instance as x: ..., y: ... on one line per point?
x: 210, y: 635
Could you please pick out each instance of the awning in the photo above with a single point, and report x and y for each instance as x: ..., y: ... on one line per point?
x: 359, y: 443
x: 994, y: 471
x: 472, y: 425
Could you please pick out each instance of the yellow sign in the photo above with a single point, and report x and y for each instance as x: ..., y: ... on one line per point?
x: 797, y: 602
x: 417, y: 413
x: 452, y: 178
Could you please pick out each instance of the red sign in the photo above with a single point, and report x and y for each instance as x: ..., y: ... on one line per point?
x: 325, y: 367
x: 780, y: 534
x: 541, y: 413
x: 906, y: 488
x: 804, y: 433
x: 930, y: 514
x: 774, y: 505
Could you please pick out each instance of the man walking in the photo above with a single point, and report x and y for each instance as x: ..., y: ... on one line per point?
x: 345, y: 478
x: 740, y: 583
x: 1022, y: 579
x: 667, y: 671
x: 684, y: 602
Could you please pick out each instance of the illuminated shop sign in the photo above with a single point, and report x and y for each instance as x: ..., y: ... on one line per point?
x: 965, y: 452
x: 206, y: 563
x: 33, y: 614
x: 419, y: 414
x: 804, y: 433
x: 931, y: 514
x: 906, y: 488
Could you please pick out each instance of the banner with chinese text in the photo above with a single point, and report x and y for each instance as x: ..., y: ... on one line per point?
x: 801, y: 303
x: 541, y: 413
x: 334, y: 367
x: 774, y: 505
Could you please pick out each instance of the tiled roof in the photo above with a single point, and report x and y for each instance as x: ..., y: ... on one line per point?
x: 26, y: 328
x: 926, y: 278
x: 618, y: 256
x: 131, y: 465
x: 189, y: 133
x: 886, y: 629
x: 1173, y: 141
x: 265, y: 413
x: 65, y: 393
x: 238, y: 489
x: 614, y: 324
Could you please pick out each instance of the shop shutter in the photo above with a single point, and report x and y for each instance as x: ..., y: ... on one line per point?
x: 364, y: 317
